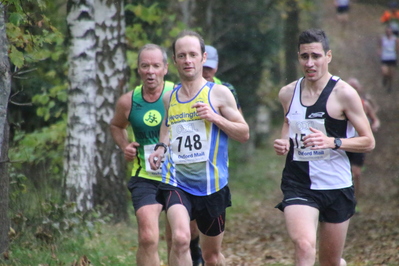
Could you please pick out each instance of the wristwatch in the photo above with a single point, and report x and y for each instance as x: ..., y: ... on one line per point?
x: 161, y: 144
x: 338, y: 143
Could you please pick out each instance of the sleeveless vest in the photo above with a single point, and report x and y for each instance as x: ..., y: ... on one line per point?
x: 145, y: 119
x: 198, y: 153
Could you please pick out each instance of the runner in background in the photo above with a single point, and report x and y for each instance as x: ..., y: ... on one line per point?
x: 357, y: 159
x: 390, y: 17
x: 211, y: 67
x: 342, y: 9
x: 388, y: 50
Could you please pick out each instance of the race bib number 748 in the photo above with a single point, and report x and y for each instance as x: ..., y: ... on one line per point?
x: 189, y: 142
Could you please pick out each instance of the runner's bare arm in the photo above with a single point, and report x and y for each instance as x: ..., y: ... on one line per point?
x: 229, y: 118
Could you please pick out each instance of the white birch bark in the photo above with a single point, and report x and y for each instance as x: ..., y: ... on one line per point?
x: 80, y: 151
x: 111, y: 77
x: 5, y: 90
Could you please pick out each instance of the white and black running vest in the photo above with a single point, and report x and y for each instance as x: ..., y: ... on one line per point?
x: 316, y: 169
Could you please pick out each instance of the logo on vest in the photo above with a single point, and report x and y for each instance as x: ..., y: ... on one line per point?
x: 152, y: 118
x: 316, y: 115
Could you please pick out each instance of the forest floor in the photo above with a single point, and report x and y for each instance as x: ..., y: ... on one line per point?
x: 260, y: 238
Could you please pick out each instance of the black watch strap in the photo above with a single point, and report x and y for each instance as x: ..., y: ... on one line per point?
x: 338, y: 143
x: 161, y: 144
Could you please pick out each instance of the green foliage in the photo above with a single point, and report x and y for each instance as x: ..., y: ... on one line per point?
x: 42, y: 146
x: 247, y: 36
x: 28, y: 34
x: 149, y: 23
x: 38, y: 58
x: 36, y: 169
x: 18, y: 185
x: 151, y: 15
x: 58, y: 219
x: 47, y: 101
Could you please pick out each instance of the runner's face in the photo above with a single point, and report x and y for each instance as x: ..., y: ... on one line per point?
x: 208, y: 73
x: 152, y: 68
x: 313, y: 60
x: 189, y: 58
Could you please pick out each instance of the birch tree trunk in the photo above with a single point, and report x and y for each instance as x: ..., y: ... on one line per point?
x: 5, y: 89
x: 112, y: 72
x: 80, y: 151
x: 94, y: 167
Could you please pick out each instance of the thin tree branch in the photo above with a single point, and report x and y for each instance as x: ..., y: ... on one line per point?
x: 21, y: 104
x: 18, y: 72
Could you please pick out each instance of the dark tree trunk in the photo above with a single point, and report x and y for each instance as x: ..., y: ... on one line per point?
x: 5, y: 89
x: 291, y: 31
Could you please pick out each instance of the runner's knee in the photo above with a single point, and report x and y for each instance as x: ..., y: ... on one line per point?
x: 148, y: 238
x: 305, y: 246
x: 181, y: 240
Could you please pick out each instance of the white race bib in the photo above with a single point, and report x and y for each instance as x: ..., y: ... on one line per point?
x: 298, y: 130
x: 189, y: 142
x: 148, y: 149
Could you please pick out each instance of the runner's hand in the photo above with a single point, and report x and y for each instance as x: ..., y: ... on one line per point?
x: 204, y: 111
x: 281, y: 146
x: 155, y: 158
x: 130, y: 151
x: 317, y: 140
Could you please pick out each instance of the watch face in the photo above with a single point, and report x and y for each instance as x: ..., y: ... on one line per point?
x: 337, y: 143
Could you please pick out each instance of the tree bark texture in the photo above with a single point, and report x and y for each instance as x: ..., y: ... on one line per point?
x: 112, y: 72
x: 80, y: 150
x: 291, y: 31
x: 5, y: 90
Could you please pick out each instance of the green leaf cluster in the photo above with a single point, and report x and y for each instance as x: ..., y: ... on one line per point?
x: 46, y: 102
x: 150, y: 23
x: 43, y: 146
x: 30, y: 34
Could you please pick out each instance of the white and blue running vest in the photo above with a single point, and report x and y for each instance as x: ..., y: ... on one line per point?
x: 197, y: 157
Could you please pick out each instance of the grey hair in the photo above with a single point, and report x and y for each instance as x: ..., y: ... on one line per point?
x: 151, y: 46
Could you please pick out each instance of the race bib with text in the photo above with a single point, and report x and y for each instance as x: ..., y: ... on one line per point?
x: 189, y: 142
x: 298, y: 130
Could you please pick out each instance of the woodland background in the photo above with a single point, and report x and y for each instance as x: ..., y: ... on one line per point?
x: 65, y: 63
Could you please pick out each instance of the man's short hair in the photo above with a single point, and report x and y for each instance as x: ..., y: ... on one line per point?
x: 151, y: 46
x: 314, y: 35
x: 185, y: 33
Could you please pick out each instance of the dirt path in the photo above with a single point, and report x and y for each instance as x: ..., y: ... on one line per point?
x: 373, y: 237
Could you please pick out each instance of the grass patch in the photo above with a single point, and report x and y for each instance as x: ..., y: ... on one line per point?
x: 108, y: 244
x: 251, y: 181
x: 255, y: 180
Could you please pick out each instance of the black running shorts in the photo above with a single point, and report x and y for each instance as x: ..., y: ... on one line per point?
x: 143, y: 191
x: 209, y: 211
x: 335, y: 206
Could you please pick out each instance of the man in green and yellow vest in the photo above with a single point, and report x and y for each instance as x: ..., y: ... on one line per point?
x: 143, y: 109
